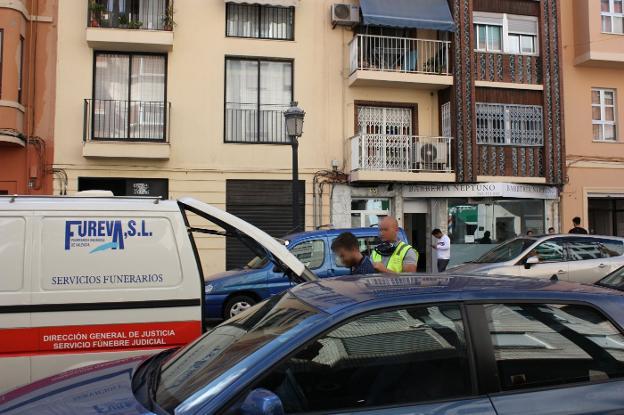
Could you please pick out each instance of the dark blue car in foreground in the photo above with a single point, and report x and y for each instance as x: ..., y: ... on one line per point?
x: 444, y: 344
x: 228, y: 293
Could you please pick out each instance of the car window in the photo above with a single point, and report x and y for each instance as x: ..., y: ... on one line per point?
x: 310, y: 253
x: 366, y: 245
x: 614, y: 280
x: 506, y: 251
x: 539, y: 345
x: 549, y: 251
x: 387, y: 358
x: 611, y: 247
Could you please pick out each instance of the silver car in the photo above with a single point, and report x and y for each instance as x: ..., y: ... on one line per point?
x: 579, y: 258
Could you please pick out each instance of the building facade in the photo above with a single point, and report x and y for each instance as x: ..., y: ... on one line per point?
x: 453, y: 124
x: 593, y: 61
x: 27, y: 89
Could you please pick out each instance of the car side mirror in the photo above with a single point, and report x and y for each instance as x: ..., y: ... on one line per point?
x: 262, y: 402
x: 530, y: 261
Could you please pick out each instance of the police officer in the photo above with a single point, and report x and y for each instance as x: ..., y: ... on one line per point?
x: 392, y: 255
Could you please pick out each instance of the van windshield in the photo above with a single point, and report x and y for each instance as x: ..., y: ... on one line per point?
x: 506, y: 251
x: 212, y: 355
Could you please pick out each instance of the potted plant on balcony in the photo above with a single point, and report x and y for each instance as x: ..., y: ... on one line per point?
x: 95, y: 13
x: 122, y: 21
x: 167, y: 18
x: 135, y: 24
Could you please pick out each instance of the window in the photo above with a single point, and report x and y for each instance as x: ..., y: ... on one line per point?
x: 387, y: 358
x: 129, y: 97
x: 260, y: 21
x: 1, y: 53
x: 366, y: 246
x: 508, y: 33
x: 603, y: 114
x: 20, y: 71
x: 367, y: 212
x: 127, y: 186
x: 612, y: 15
x: 606, y: 216
x: 488, y: 38
x: 545, y: 345
x: 506, y: 124
x: 580, y: 249
x: 310, y: 253
x: 134, y: 14
x: 549, y: 251
x: 257, y: 92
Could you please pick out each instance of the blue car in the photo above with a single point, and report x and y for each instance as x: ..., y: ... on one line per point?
x: 394, y: 345
x: 228, y: 293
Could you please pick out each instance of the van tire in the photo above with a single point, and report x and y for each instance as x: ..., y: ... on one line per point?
x: 237, y: 304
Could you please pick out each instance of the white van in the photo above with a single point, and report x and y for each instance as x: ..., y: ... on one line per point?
x: 89, y: 279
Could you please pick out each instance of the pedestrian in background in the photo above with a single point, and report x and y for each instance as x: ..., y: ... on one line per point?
x: 487, y: 238
x: 392, y: 255
x: 347, y: 248
x: 442, y: 247
x: 577, y: 227
x: 529, y: 232
x: 551, y: 231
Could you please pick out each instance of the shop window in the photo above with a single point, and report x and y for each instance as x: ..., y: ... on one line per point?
x: 367, y: 212
x: 126, y: 186
x: 475, y: 225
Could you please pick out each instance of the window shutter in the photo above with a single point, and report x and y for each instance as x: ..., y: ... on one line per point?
x: 487, y: 18
x: 522, y: 25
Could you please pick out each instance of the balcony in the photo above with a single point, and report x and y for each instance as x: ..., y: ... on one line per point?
x: 250, y: 124
x: 404, y: 158
x: 397, y: 61
x: 131, y: 25
x: 126, y: 129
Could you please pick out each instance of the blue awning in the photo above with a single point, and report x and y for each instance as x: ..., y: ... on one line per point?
x: 411, y: 14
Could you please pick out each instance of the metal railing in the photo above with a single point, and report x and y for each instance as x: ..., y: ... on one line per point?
x: 399, y: 54
x: 131, y: 14
x: 246, y: 123
x: 128, y: 121
x: 382, y: 152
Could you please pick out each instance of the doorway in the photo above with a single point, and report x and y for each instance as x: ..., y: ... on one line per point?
x: 416, y: 230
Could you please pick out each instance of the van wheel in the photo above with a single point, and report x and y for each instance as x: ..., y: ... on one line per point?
x: 237, y: 305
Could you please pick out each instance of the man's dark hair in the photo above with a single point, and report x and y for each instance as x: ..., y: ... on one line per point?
x: 345, y: 240
x: 551, y: 229
x: 576, y: 221
x: 487, y: 234
x: 436, y: 231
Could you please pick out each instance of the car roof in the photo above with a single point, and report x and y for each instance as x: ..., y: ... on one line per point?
x: 373, y: 231
x: 334, y: 294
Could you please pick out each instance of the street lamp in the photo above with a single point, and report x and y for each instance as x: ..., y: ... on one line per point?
x: 294, y: 128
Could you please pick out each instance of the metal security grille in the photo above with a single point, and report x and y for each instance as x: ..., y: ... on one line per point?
x: 388, y: 131
x: 446, y: 119
x: 382, y: 120
x: 518, y: 125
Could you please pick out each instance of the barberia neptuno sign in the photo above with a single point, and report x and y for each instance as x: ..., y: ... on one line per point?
x: 511, y: 190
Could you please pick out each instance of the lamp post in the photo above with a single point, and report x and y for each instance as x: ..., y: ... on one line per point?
x: 294, y: 128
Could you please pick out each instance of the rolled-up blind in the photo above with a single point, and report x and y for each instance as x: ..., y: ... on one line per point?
x: 524, y: 25
x: 488, y: 18
x: 282, y: 3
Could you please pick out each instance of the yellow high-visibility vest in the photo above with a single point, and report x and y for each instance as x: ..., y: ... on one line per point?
x: 395, y: 264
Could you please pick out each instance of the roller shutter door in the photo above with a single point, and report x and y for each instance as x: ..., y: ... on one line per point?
x: 264, y: 203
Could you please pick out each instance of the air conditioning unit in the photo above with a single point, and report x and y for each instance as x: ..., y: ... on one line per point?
x: 431, y: 155
x: 345, y: 14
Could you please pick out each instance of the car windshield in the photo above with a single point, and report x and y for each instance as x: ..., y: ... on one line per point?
x: 506, y: 251
x: 210, y: 356
x: 614, y: 280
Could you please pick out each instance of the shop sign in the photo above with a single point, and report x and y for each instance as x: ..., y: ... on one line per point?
x: 507, y: 190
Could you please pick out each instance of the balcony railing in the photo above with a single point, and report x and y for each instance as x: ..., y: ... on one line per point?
x: 382, y: 152
x: 245, y: 123
x: 127, y: 121
x: 131, y: 14
x: 399, y: 54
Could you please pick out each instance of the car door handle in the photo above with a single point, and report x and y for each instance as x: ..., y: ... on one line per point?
x: 561, y: 271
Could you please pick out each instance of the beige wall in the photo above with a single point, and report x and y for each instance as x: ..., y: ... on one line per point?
x: 593, y: 167
x: 592, y: 47
x: 200, y: 162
